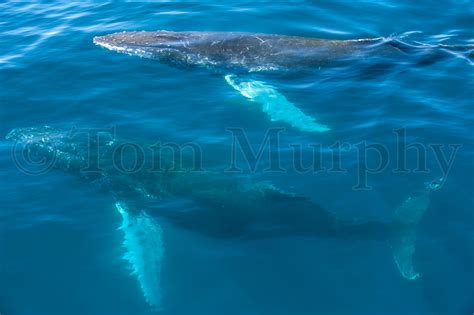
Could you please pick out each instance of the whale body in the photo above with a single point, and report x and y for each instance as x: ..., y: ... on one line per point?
x: 222, y: 206
x: 248, y: 52
x: 232, y: 53
x: 270, y: 52
x: 245, y: 51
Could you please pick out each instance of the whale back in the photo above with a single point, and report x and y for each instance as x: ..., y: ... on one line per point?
x: 244, y: 51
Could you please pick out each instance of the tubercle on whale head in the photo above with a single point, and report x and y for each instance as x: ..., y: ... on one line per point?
x: 72, y: 150
x: 46, y: 146
x: 43, y: 140
x: 74, y: 137
x: 34, y: 134
x: 129, y: 41
x: 48, y: 138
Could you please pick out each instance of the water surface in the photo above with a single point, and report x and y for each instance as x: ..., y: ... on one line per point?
x: 60, y: 252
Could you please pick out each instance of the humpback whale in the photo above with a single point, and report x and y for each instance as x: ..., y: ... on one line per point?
x: 224, y: 206
x: 264, y: 52
x: 237, y: 52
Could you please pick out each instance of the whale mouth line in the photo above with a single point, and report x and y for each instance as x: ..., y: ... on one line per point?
x: 103, y: 42
x: 109, y: 46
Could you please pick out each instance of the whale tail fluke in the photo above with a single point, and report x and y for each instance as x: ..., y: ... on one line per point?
x: 403, y: 250
x: 404, y: 227
x: 144, y: 251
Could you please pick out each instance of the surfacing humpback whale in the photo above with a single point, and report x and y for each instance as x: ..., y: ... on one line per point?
x: 225, y: 206
x: 233, y: 52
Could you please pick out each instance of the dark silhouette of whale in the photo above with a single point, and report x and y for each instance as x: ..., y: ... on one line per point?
x: 222, y: 205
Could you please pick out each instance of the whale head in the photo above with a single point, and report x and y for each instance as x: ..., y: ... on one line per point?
x: 153, y: 45
x: 45, y: 136
x: 70, y: 150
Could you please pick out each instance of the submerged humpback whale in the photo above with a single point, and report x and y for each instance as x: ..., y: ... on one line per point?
x: 225, y: 206
x: 264, y: 52
x: 236, y: 52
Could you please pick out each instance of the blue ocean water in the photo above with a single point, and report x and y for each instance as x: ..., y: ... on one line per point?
x: 60, y: 251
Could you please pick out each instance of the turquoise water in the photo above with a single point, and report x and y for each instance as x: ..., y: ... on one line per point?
x: 60, y: 250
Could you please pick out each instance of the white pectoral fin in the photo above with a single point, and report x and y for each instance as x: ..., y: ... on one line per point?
x: 275, y: 104
x: 144, y: 251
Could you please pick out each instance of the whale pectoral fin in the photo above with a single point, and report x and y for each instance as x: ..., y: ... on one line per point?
x: 275, y: 104
x: 144, y: 248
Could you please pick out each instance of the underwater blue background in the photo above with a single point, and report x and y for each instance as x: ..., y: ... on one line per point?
x: 60, y: 252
